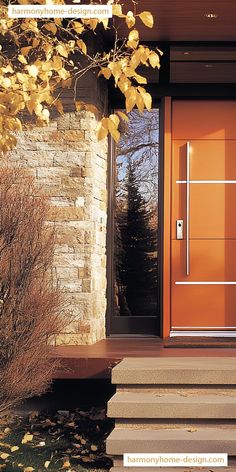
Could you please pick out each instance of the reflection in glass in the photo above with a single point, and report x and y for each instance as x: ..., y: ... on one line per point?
x: 136, y: 216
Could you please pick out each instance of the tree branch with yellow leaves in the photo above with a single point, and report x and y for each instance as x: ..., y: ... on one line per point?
x: 38, y: 57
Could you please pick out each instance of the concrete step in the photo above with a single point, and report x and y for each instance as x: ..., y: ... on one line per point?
x: 118, y: 464
x: 172, y: 469
x: 178, y: 370
x: 201, y: 440
x: 150, y: 405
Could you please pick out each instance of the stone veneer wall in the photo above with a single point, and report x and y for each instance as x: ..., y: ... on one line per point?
x: 71, y: 165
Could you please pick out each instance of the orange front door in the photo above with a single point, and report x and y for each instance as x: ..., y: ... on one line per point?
x: 203, y: 228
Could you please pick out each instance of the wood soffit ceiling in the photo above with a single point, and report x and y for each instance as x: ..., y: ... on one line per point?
x: 186, y: 20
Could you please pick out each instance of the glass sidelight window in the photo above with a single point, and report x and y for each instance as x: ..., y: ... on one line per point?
x: 135, y: 225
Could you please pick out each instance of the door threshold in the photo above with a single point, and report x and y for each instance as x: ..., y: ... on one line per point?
x: 208, y: 334
x: 131, y: 336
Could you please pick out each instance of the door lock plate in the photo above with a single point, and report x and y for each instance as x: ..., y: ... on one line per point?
x: 179, y: 229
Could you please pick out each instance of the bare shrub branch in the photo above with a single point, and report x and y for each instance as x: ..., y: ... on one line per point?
x: 30, y: 307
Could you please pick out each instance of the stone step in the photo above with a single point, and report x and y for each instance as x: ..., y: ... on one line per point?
x: 202, y: 440
x: 150, y: 405
x: 177, y: 370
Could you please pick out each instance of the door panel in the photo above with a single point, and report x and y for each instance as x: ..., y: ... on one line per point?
x: 202, y: 119
x: 210, y: 159
x: 212, y: 208
x: 215, y: 307
x: 206, y: 298
x: 210, y: 260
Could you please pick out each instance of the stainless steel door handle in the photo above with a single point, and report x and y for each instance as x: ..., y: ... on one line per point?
x: 188, y: 212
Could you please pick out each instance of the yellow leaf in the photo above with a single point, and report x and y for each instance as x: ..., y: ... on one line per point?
x: 3, y: 109
x: 132, y: 44
x: 140, y: 79
x: 51, y: 27
x: 27, y: 437
x: 4, y: 455
x: 5, y: 82
x: 62, y: 50
x: 144, y: 57
x: 46, y: 464
x: 25, y: 51
x: 136, y: 58
x: 142, y: 90
x: 78, y: 27
x: 66, y: 464
x: 130, y: 99
x: 133, y: 35
x: 129, y: 72
x: 124, y: 83
x: 106, y: 72
x: 7, y: 69
x: 101, y: 131
x: 154, y: 60
x: 105, y: 22
x: 63, y: 73
x: 33, y: 70
x: 115, y: 119
x: 13, y: 124
x: 22, y: 59
x: 140, y: 102
x: 147, y: 100
x: 123, y: 115
x: 116, y: 70
x: 130, y: 20
x: 46, y: 66
x: 133, y: 39
x: 14, y: 448
x: 28, y: 469
x: 117, y: 11
x: 38, y: 110
x: 82, y: 46
x: 57, y: 62
x: 36, y: 42
x: 113, y: 130
x: 45, y: 115
x: 147, y: 18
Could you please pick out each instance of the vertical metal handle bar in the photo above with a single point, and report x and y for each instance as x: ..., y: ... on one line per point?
x: 188, y: 212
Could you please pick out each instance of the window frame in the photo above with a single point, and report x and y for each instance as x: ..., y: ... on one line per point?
x: 133, y: 325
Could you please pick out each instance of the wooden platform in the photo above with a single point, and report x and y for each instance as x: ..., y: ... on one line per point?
x: 96, y: 361
x: 200, y: 342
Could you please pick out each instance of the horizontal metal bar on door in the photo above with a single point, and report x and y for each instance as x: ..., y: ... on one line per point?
x: 206, y: 181
x: 206, y: 333
x: 205, y: 283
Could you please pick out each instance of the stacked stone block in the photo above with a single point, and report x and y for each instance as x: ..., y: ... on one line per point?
x: 71, y: 166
